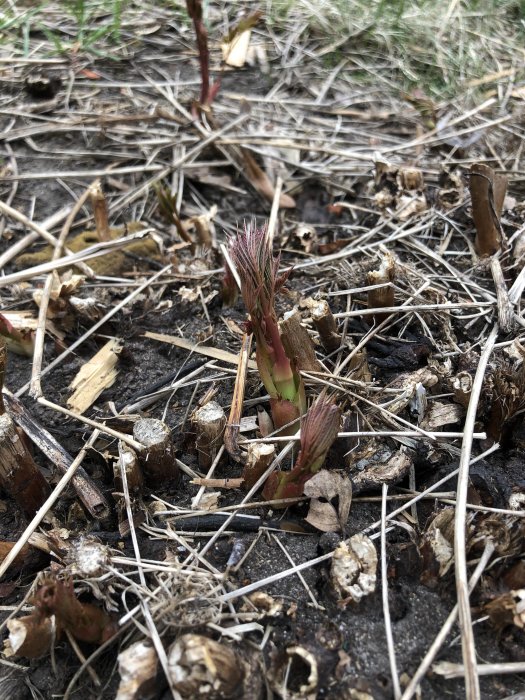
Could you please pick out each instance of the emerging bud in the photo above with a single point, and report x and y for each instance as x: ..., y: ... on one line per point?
x: 319, y: 429
x: 258, y: 271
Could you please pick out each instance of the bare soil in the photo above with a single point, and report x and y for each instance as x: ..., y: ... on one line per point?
x: 348, y: 641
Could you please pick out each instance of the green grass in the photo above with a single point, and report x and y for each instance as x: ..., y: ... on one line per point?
x: 438, y: 48
x: 415, y: 43
x: 81, y: 25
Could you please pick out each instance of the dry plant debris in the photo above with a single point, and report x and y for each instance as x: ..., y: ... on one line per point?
x: 271, y: 209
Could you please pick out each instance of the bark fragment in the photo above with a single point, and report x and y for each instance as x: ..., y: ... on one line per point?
x: 487, y: 190
x: 19, y: 475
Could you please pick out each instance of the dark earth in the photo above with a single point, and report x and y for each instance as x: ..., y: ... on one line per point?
x: 348, y: 642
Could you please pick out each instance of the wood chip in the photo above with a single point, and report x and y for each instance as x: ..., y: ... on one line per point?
x: 97, y: 374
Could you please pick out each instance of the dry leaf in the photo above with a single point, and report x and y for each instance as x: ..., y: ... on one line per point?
x: 235, y: 44
x: 232, y: 326
x: 507, y: 609
x: 267, y: 605
x: 440, y: 414
x: 138, y: 670
x: 206, y: 176
x: 437, y: 548
x: 208, y: 501
x: 389, y: 472
x: 188, y: 293
x: 354, y: 566
x: 418, y: 403
x: 407, y: 384
x: 97, y: 374
x: 462, y: 385
x: 328, y: 485
x: 408, y: 206
x: 262, y: 183
x: 207, y: 350
x: 257, y: 56
x: 61, y: 288
x: 307, y: 237
x: 234, y: 52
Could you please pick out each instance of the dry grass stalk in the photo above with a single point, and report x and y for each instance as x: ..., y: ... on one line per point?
x: 258, y: 458
x: 100, y: 211
x: 3, y: 364
x: 325, y: 324
x: 129, y: 463
x: 487, y: 190
x: 384, y: 595
x: 232, y: 429
x: 228, y: 483
x: 209, y: 422
x: 382, y: 297
x: 467, y: 636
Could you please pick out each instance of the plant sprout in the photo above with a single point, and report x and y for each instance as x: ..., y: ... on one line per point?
x: 260, y: 282
x: 319, y: 429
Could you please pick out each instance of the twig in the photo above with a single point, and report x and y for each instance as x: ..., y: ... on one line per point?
x: 88, y: 492
x: 143, y: 604
x: 505, y: 310
x: 38, y: 353
x: 450, y: 670
x: 231, y: 432
x: 460, y: 554
x: 416, y: 307
x: 384, y: 595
